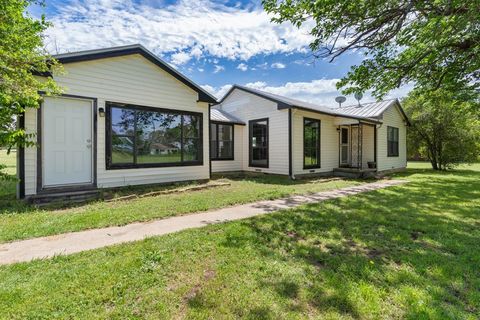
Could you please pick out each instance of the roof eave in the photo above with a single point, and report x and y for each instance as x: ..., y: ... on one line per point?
x: 403, y: 112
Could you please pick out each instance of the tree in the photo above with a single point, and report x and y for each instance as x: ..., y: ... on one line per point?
x: 22, y: 56
x: 445, y: 127
x: 433, y: 44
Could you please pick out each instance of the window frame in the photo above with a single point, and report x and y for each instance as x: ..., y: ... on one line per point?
x: 108, y: 138
x: 250, y: 146
x: 397, y: 153
x: 217, y: 158
x: 316, y: 166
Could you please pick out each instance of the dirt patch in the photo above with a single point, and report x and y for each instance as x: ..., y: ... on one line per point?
x: 203, y: 186
x: 357, y: 248
x: 208, y: 274
x: 294, y: 235
x: 416, y: 234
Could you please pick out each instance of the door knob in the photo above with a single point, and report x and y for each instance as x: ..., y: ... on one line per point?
x: 89, y: 146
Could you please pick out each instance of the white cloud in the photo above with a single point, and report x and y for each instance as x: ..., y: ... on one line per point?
x: 262, y: 66
x: 218, y: 68
x: 180, y: 58
x: 242, y: 66
x: 196, y: 52
x: 217, y: 92
x: 321, y: 91
x: 196, y: 28
x: 201, y: 69
x: 278, y: 65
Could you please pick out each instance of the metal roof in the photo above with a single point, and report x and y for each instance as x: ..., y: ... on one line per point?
x: 134, y: 49
x: 285, y: 103
x: 372, y: 109
x: 222, y: 116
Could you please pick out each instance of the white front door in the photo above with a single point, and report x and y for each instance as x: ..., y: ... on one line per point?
x: 67, y: 140
x: 344, y: 146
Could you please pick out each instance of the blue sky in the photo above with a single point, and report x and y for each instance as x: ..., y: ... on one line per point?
x: 215, y: 43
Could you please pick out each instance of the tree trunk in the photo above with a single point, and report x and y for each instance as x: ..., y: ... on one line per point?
x: 432, y: 156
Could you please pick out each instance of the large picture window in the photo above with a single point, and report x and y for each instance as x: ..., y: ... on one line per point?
x: 392, y: 141
x: 258, y: 136
x: 311, y: 143
x: 140, y: 137
x: 221, y: 147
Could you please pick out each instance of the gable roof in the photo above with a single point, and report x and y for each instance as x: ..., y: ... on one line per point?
x: 373, y: 109
x: 288, y: 103
x: 134, y: 49
x: 223, y: 116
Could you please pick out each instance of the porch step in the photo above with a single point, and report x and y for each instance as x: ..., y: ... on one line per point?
x: 59, y: 198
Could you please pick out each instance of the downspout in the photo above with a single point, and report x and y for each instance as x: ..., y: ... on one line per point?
x: 375, y: 146
x: 290, y: 145
x: 209, y: 144
x: 21, y: 160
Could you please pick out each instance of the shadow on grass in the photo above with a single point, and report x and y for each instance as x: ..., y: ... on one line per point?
x: 418, y: 244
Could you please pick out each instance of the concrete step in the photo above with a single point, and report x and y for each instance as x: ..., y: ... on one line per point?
x: 67, y: 197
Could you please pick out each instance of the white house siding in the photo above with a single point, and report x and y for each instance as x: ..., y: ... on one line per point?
x: 246, y: 106
x: 391, y: 117
x: 368, y: 145
x: 135, y: 80
x: 237, y: 163
x: 328, y: 142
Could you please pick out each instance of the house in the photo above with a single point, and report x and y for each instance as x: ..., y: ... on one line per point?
x: 160, y: 148
x: 275, y: 134
x: 98, y: 133
x: 127, y: 118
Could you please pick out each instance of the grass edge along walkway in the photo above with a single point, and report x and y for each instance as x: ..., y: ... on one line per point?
x: 68, y: 243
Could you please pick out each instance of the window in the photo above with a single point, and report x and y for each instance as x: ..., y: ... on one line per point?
x: 311, y: 143
x: 139, y: 137
x: 392, y: 142
x: 221, y: 141
x: 258, y: 136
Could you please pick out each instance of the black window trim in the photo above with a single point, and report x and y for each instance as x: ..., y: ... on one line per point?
x: 317, y: 166
x: 397, y: 153
x: 108, y: 138
x: 217, y: 158
x: 250, y: 147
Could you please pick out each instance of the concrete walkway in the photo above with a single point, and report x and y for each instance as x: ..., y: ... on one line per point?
x: 68, y: 243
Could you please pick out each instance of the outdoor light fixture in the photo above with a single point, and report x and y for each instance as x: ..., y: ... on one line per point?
x: 101, y: 112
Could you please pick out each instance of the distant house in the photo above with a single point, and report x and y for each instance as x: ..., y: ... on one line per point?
x: 160, y: 148
x: 129, y: 118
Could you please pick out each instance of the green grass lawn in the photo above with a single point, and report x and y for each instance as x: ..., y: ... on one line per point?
x: 20, y: 221
x: 406, y: 252
x: 7, y: 188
